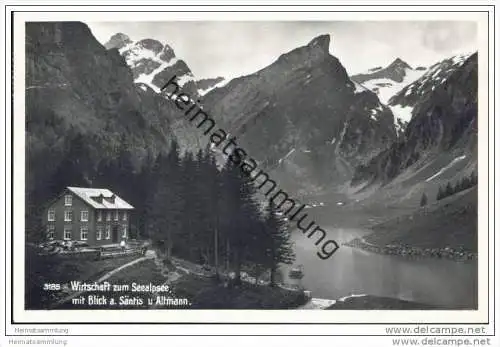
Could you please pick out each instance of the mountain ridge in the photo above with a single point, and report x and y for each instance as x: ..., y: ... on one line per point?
x: 387, y: 82
x: 153, y: 63
x: 395, y: 71
x: 304, y: 103
x: 302, y: 117
x: 443, y: 122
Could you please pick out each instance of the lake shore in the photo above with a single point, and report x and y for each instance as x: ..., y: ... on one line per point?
x: 408, y: 251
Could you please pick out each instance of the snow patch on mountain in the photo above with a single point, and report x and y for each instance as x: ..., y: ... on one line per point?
x: 148, y: 78
x: 405, y: 99
x: 387, y: 82
x: 185, y: 79
x: 215, y: 86
x: 286, y: 156
x: 402, y: 112
x: 359, y: 88
x: 385, y: 88
x: 460, y: 59
x: 453, y: 162
x: 136, y: 53
x: 153, y: 62
x: 436, y: 74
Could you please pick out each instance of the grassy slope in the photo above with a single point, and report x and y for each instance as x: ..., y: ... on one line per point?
x: 451, y: 222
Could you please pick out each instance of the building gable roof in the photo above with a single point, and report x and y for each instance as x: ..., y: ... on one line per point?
x: 108, y: 199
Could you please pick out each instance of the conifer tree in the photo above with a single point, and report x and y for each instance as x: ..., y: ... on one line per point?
x: 463, y: 184
x: 124, y: 173
x: 213, y: 182
x: 278, y: 245
x: 200, y: 207
x: 239, y: 218
x: 473, y: 179
x: 448, y: 190
x: 229, y: 202
x: 440, y: 193
x: 75, y: 167
x: 147, y: 185
x: 166, y: 203
x: 190, y: 208
x: 423, y: 200
x: 247, y: 219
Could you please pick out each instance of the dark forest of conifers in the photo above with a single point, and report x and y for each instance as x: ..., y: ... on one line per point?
x: 186, y: 205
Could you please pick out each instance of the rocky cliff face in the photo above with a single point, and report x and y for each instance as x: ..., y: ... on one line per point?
x: 444, y: 123
x: 77, y: 88
x: 154, y: 63
x: 303, y: 117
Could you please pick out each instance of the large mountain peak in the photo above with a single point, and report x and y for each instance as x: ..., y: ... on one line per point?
x: 314, y: 55
x: 322, y: 42
x: 303, y: 118
x: 153, y: 63
x: 442, y: 107
x: 399, y: 63
x: 388, y: 81
x: 395, y: 71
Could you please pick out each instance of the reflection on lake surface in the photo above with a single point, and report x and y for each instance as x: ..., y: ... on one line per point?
x: 354, y: 271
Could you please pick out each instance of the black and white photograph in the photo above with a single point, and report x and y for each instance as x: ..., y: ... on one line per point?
x: 313, y: 182
x: 251, y: 165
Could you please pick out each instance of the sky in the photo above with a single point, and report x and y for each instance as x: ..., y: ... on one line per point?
x: 232, y: 49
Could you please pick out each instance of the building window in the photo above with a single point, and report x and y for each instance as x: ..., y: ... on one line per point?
x: 108, y: 216
x: 108, y: 232
x: 67, y: 232
x: 124, y: 216
x: 99, y: 216
x: 116, y: 215
x: 68, y: 200
x: 124, y: 231
x: 51, y: 230
x: 99, y: 232
x: 68, y: 215
x: 84, y: 216
x: 84, y: 232
x: 51, y: 216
